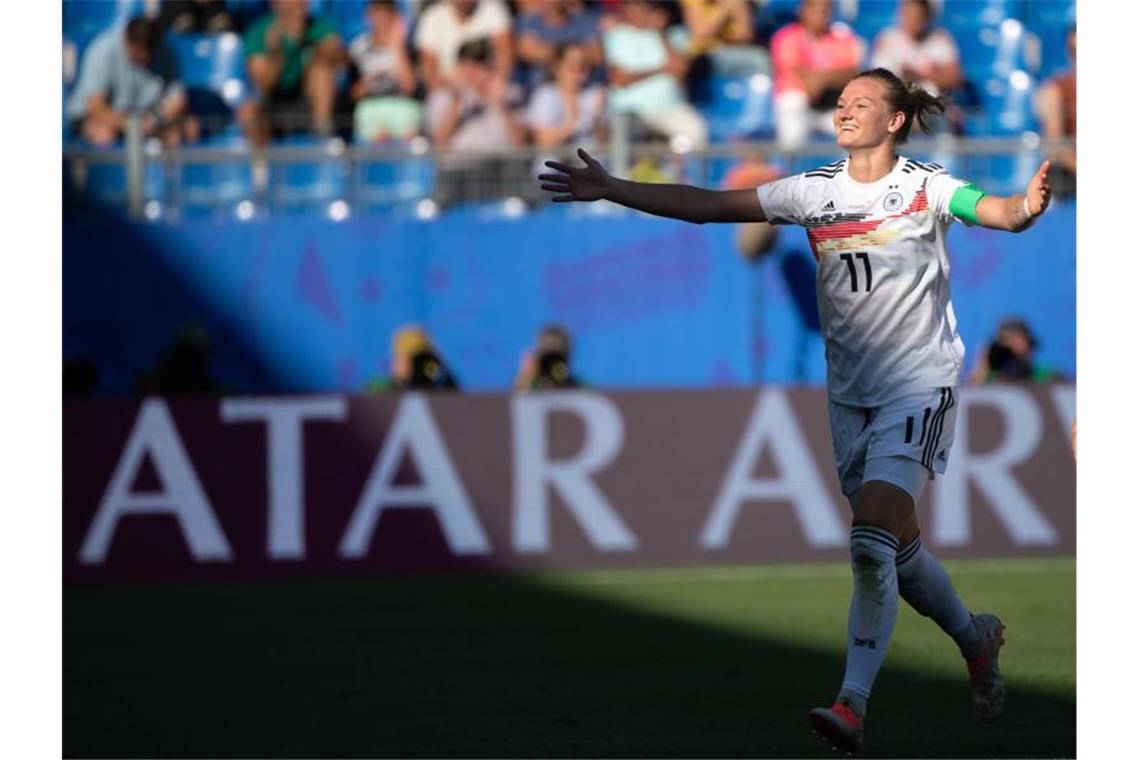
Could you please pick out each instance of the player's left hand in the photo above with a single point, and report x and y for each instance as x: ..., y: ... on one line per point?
x: 1038, y: 194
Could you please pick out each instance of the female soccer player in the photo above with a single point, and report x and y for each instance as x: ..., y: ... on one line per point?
x: 877, y: 225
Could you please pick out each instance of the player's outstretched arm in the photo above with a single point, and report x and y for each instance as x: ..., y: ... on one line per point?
x: 691, y: 204
x: 1017, y: 212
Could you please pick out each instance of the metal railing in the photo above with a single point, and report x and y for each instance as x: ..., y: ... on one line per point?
x: 146, y: 181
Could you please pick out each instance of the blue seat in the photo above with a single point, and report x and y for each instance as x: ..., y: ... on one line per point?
x: 989, y: 52
x: 309, y: 185
x: 213, y: 63
x: 1049, y: 22
x: 105, y: 183
x: 873, y: 16
x: 783, y: 11
x: 976, y: 14
x: 348, y: 16
x: 214, y: 187
x: 1009, y: 104
x: 83, y: 20
x: 769, y: 16
x: 82, y: 16
x: 383, y: 185
x: 736, y: 107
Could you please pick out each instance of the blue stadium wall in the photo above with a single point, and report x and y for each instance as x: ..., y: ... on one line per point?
x: 307, y: 304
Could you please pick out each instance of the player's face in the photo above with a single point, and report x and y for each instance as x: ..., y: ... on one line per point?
x: 863, y: 117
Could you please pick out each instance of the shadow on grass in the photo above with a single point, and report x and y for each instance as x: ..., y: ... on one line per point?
x: 489, y: 666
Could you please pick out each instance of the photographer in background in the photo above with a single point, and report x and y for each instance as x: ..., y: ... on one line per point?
x: 1008, y: 358
x: 547, y: 366
x: 416, y: 365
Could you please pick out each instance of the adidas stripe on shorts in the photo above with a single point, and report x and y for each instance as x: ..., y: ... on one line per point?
x: 918, y: 427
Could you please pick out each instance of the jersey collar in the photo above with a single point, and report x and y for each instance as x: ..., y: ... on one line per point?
x: 899, y: 163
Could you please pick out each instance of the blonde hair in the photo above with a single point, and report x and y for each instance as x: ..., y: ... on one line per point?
x: 409, y: 340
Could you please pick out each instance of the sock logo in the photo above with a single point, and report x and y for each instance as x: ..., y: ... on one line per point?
x: 868, y: 643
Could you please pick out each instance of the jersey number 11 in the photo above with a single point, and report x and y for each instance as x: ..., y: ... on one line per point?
x: 850, y: 259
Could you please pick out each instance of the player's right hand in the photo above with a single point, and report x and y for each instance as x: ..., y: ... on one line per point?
x: 588, y: 183
x: 1039, y: 192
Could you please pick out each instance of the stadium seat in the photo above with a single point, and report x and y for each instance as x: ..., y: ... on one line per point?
x: 770, y: 15
x: 214, y: 187
x: 736, y: 108
x: 989, y: 51
x: 960, y: 16
x: 349, y: 17
x: 782, y: 11
x: 213, y: 69
x: 871, y: 17
x: 388, y: 185
x: 105, y: 182
x: 1008, y: 105
x: 307, y: 185
x: 1049, y: 22
x: 83, y: 20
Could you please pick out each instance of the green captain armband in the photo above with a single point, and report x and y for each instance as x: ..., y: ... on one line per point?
x: 964, y: 203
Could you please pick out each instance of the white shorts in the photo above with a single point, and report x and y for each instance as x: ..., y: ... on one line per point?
x: 903, y: 442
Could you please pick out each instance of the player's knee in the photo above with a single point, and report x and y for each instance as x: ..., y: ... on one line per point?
x: 873, y: 553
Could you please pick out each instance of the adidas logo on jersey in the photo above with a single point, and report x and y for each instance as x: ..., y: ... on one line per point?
x: 829, y: 206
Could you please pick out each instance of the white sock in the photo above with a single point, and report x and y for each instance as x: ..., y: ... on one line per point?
x: 924, y: 584
x: 874, y: 609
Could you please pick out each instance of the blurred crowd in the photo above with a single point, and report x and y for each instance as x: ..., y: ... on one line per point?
x: 492, y: 74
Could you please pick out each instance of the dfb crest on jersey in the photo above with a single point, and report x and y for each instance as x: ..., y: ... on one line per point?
x: 893, y: 201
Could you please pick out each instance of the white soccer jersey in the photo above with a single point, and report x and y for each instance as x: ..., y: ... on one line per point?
x: 883, y: 279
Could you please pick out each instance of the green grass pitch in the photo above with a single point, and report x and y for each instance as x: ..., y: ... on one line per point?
x: 700, y: 662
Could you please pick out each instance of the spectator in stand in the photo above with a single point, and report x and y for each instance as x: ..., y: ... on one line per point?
x: 813, y: 60
x: 753, y: 239
x: 1057, y: 109
x: 557, y: 22
x: 915, y: 51
x: 444, y: 27
x: 415, y: 364
x: 477, y: 112
x: 194, y: 16
x: 293, y: 60
x: 128, y: 72
x: 568, y: 111
x: 1009, y: 357
x: 720, y: 36
x: 383, y: 80
x: 647, y: 74
x: 715, y: 23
